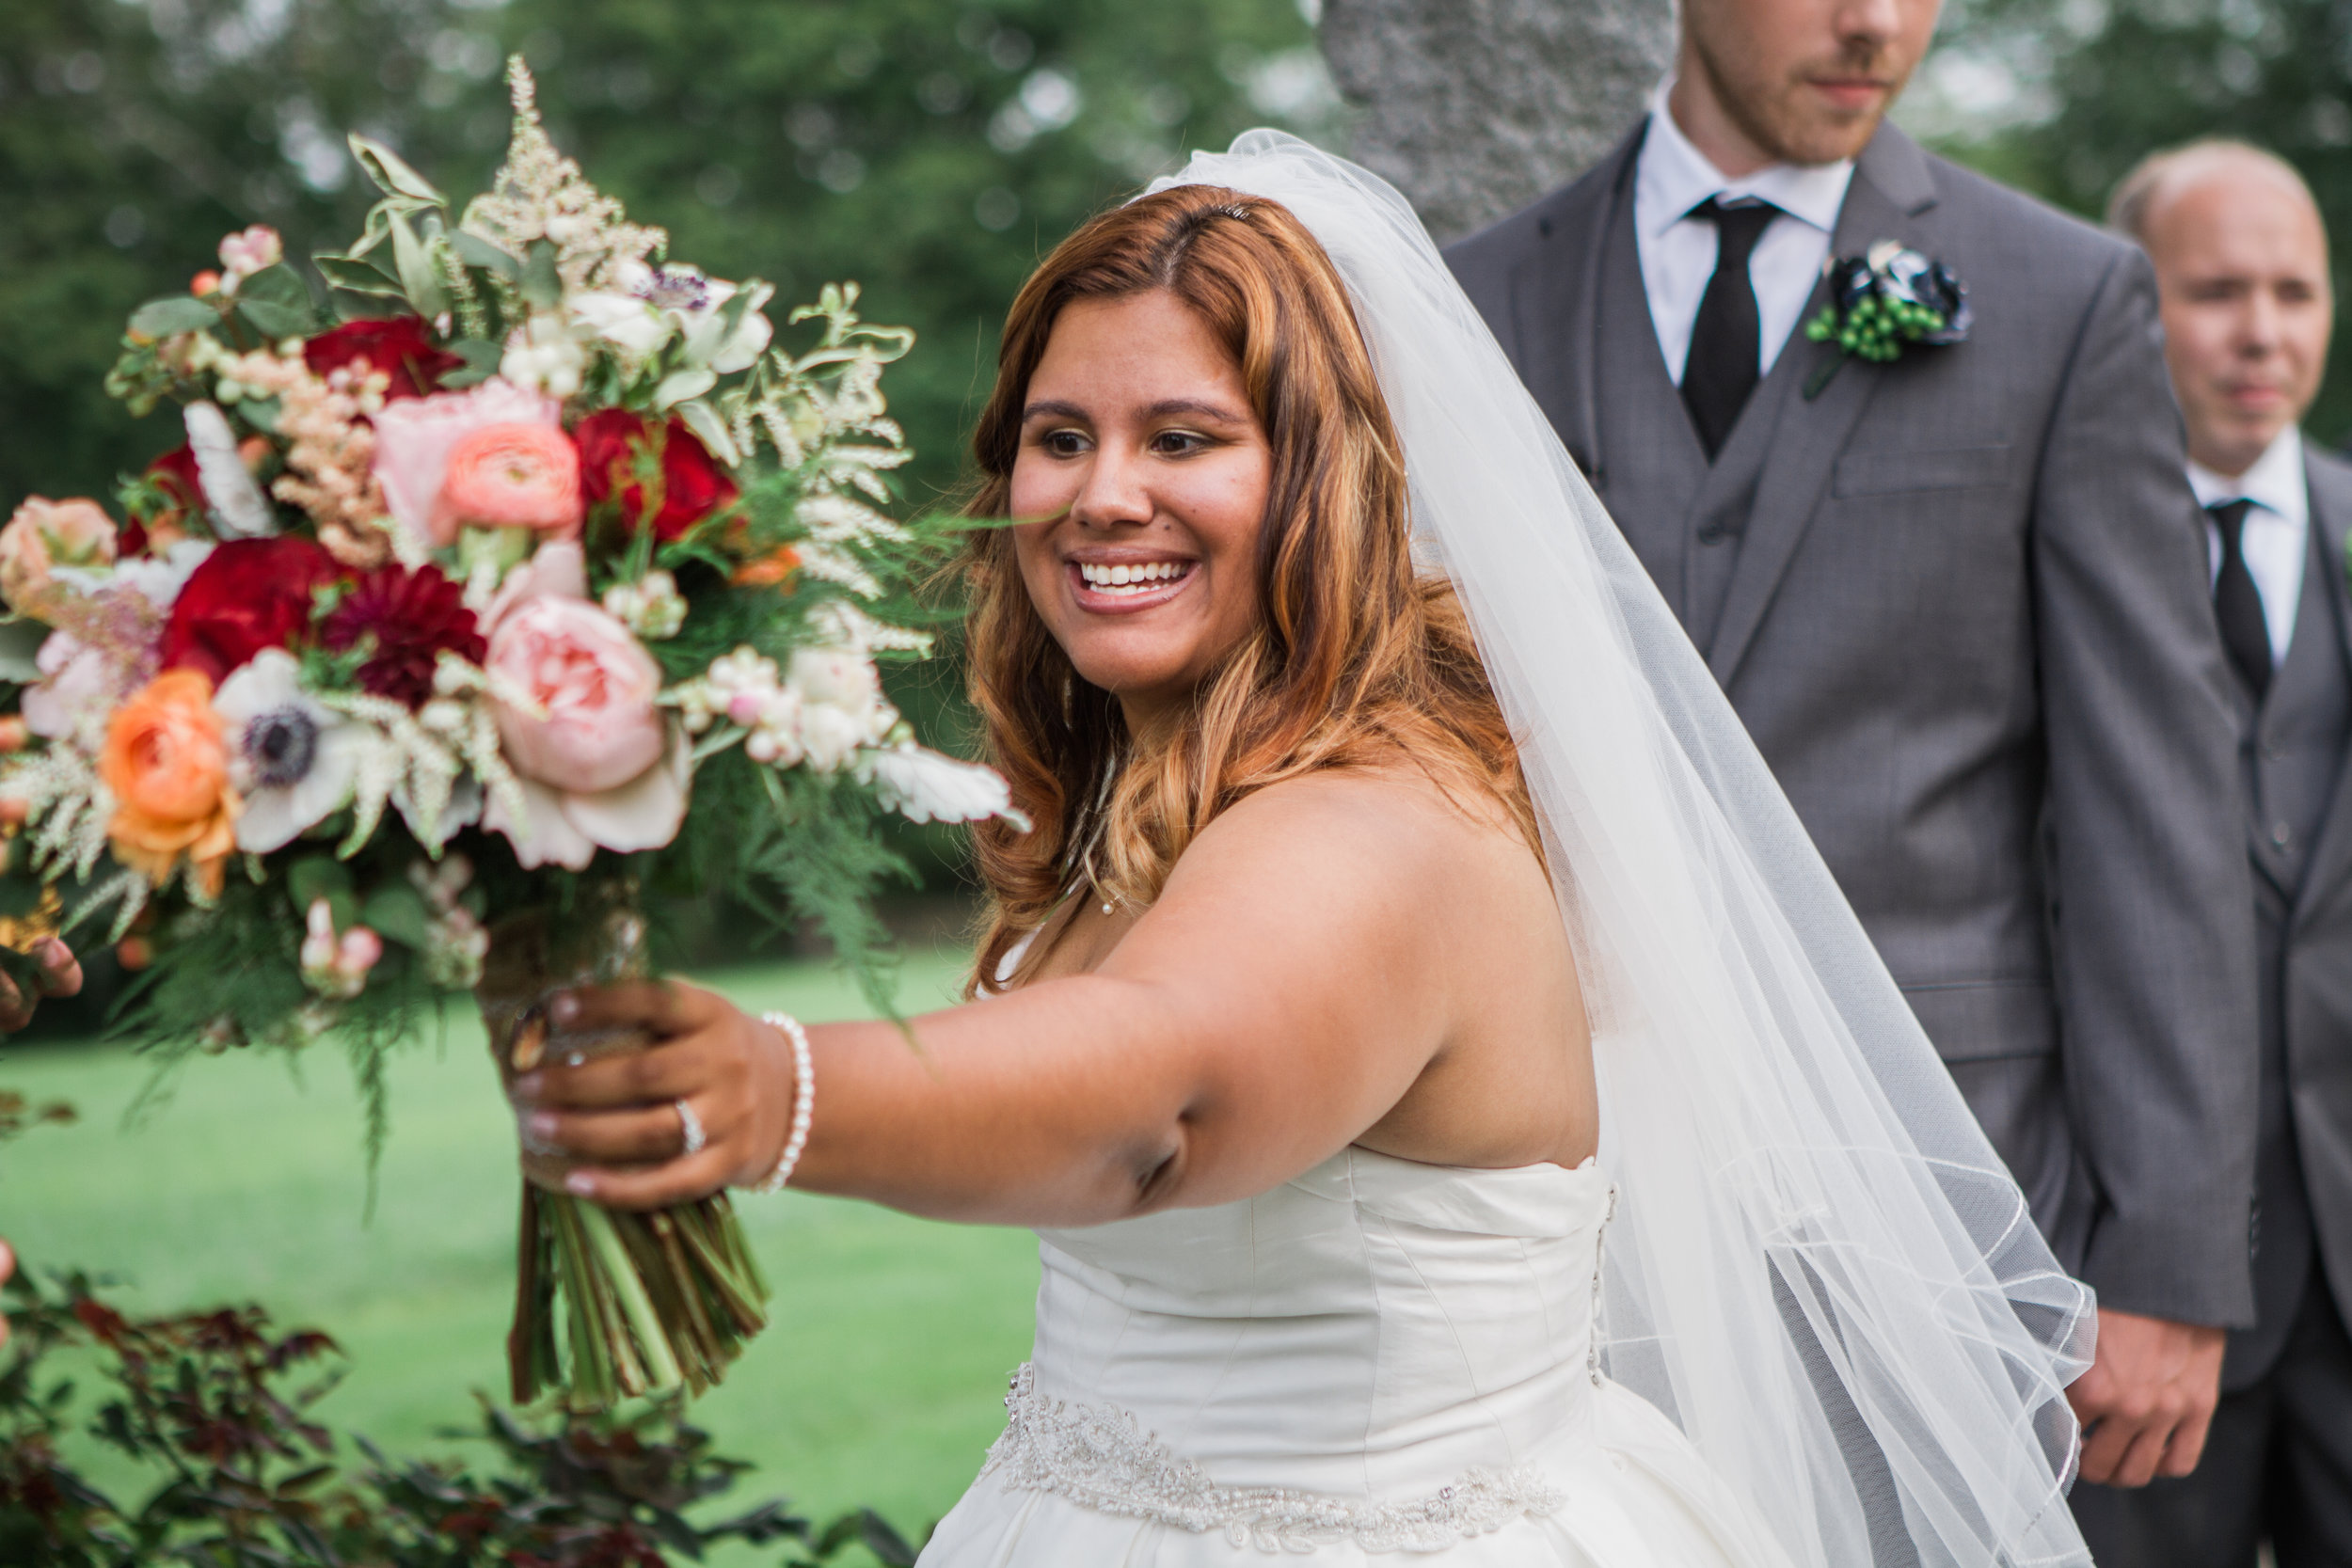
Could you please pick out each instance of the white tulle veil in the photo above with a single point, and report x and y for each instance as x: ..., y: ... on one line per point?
x: 1818, y: 1267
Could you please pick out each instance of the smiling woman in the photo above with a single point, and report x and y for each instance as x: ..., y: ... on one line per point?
x: 1148, y: 496
x: 1211, y: 588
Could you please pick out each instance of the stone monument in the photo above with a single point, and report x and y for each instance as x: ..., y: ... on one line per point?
x: 1475, y: 107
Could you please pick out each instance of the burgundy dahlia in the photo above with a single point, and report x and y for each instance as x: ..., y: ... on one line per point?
x: 413, y: 617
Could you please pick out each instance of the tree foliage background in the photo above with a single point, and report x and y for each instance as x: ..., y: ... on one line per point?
x: 2063, y: 96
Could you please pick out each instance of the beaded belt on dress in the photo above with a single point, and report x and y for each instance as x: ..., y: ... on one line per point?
x: 1099, y: 1458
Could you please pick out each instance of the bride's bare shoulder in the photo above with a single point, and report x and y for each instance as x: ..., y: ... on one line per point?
x: 1386, y: 822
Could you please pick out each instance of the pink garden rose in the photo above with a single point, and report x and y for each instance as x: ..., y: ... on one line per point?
x: 45, y: 535
x: 415, y: 436
x: 597, y: 688
x: 510, y: 476
x: 599, y: 764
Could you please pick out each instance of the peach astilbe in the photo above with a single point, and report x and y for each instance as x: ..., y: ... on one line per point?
x: 330, y: 455
x: 165, y: 763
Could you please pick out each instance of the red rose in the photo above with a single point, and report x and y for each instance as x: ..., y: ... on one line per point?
x: 248, y: 594
x: 693, y: 484
x: 411, y: 617
x: 174, y: 474
x: 399, y: 346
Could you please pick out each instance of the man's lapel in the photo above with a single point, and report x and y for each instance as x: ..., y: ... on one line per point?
x: 1555, y: 299
x: 2331, y: 490
x: 1893, y: 185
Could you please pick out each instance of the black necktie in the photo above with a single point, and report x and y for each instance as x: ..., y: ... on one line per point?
x: 1725, y: 340
x: 2237, y: 603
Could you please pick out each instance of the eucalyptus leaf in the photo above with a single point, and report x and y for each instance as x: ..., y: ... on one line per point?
x: 391, y: 173
x: 481, y: 363
x: 710, y: 430
x: 278, y: 285
x: 316, y: 877
x: 161, y: 318
x: 418, y: 277
x: 476, y: 251
x: 273, y: 320
x: 678, y: 385
x: 478, y: 355
x: 543, y: 286
x: 396, y: 912
x: 356, y: 275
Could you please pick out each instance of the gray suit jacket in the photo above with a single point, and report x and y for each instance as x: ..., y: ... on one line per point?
x: 1968, y: 625
x: 2303, y: 914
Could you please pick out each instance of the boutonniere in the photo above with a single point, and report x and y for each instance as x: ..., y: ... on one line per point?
x: 1882, y: 300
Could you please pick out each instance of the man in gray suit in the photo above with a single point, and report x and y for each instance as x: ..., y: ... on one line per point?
x: 1959, y: 599
x: 2241, y: 261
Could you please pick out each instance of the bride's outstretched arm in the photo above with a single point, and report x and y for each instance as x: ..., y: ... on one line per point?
x: 1307, y: 961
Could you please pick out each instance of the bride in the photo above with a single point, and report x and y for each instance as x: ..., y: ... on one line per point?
x: 1459, y: 1115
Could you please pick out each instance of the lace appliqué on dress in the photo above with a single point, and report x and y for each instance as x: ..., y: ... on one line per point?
x: 1101, y: 1459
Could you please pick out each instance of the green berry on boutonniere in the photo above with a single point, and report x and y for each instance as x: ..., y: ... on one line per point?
x: 1882, y: 301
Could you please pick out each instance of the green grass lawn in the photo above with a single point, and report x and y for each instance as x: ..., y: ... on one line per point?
x: 879, y: 1380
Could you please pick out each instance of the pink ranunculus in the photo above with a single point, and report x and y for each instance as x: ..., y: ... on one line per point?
x: 415, y: 436
x: 510, y: 476
x: 45, y: 535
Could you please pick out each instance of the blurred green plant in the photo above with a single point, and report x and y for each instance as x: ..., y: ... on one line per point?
x: 213, y: 1410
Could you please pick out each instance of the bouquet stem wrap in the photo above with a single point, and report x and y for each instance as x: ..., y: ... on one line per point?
x: 609, y: 1304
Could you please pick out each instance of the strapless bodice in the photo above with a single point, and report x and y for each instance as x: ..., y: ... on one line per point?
x: 1348, y: 1332
x: 1378, y: 1356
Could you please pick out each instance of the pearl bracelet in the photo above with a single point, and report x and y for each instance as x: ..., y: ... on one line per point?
x: 804, y: 1099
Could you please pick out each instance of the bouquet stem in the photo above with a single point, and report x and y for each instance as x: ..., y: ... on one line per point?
x: 609, y: 1304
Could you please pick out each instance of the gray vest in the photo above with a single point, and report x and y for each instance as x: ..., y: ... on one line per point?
x: 2292, y: 755
x: 2299, y: 736
x: 1683, y: 517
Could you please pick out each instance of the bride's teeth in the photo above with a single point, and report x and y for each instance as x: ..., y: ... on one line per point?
x: 1112, y: 579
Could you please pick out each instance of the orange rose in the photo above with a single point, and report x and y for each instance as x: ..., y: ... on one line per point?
x: 770, y: 571
x: 166, y: 762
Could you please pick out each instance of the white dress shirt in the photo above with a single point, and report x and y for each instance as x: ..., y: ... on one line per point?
x: 2276, y: 541
x: 1670, y: 176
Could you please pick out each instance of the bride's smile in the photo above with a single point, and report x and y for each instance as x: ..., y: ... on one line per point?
x: 1148, y: 471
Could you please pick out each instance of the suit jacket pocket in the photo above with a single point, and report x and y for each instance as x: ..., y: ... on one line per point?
x: 1892, y: 473
x: 1973, y: 1020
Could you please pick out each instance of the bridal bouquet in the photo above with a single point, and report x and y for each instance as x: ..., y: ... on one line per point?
x: 530, y: 574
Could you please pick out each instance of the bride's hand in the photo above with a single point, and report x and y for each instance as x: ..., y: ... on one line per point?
x: 60, y: 975
x: 619, y: 1115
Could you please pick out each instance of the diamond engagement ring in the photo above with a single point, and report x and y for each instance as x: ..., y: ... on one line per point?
x: 692, y: 1126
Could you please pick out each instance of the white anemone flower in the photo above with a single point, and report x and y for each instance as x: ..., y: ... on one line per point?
x: 293, y: 759
x: 652, y: 305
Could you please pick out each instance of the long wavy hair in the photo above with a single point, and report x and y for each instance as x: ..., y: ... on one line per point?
x: 1354, y: 659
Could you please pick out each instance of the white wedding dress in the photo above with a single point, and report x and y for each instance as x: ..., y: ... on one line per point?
x: 1378, y: 1357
